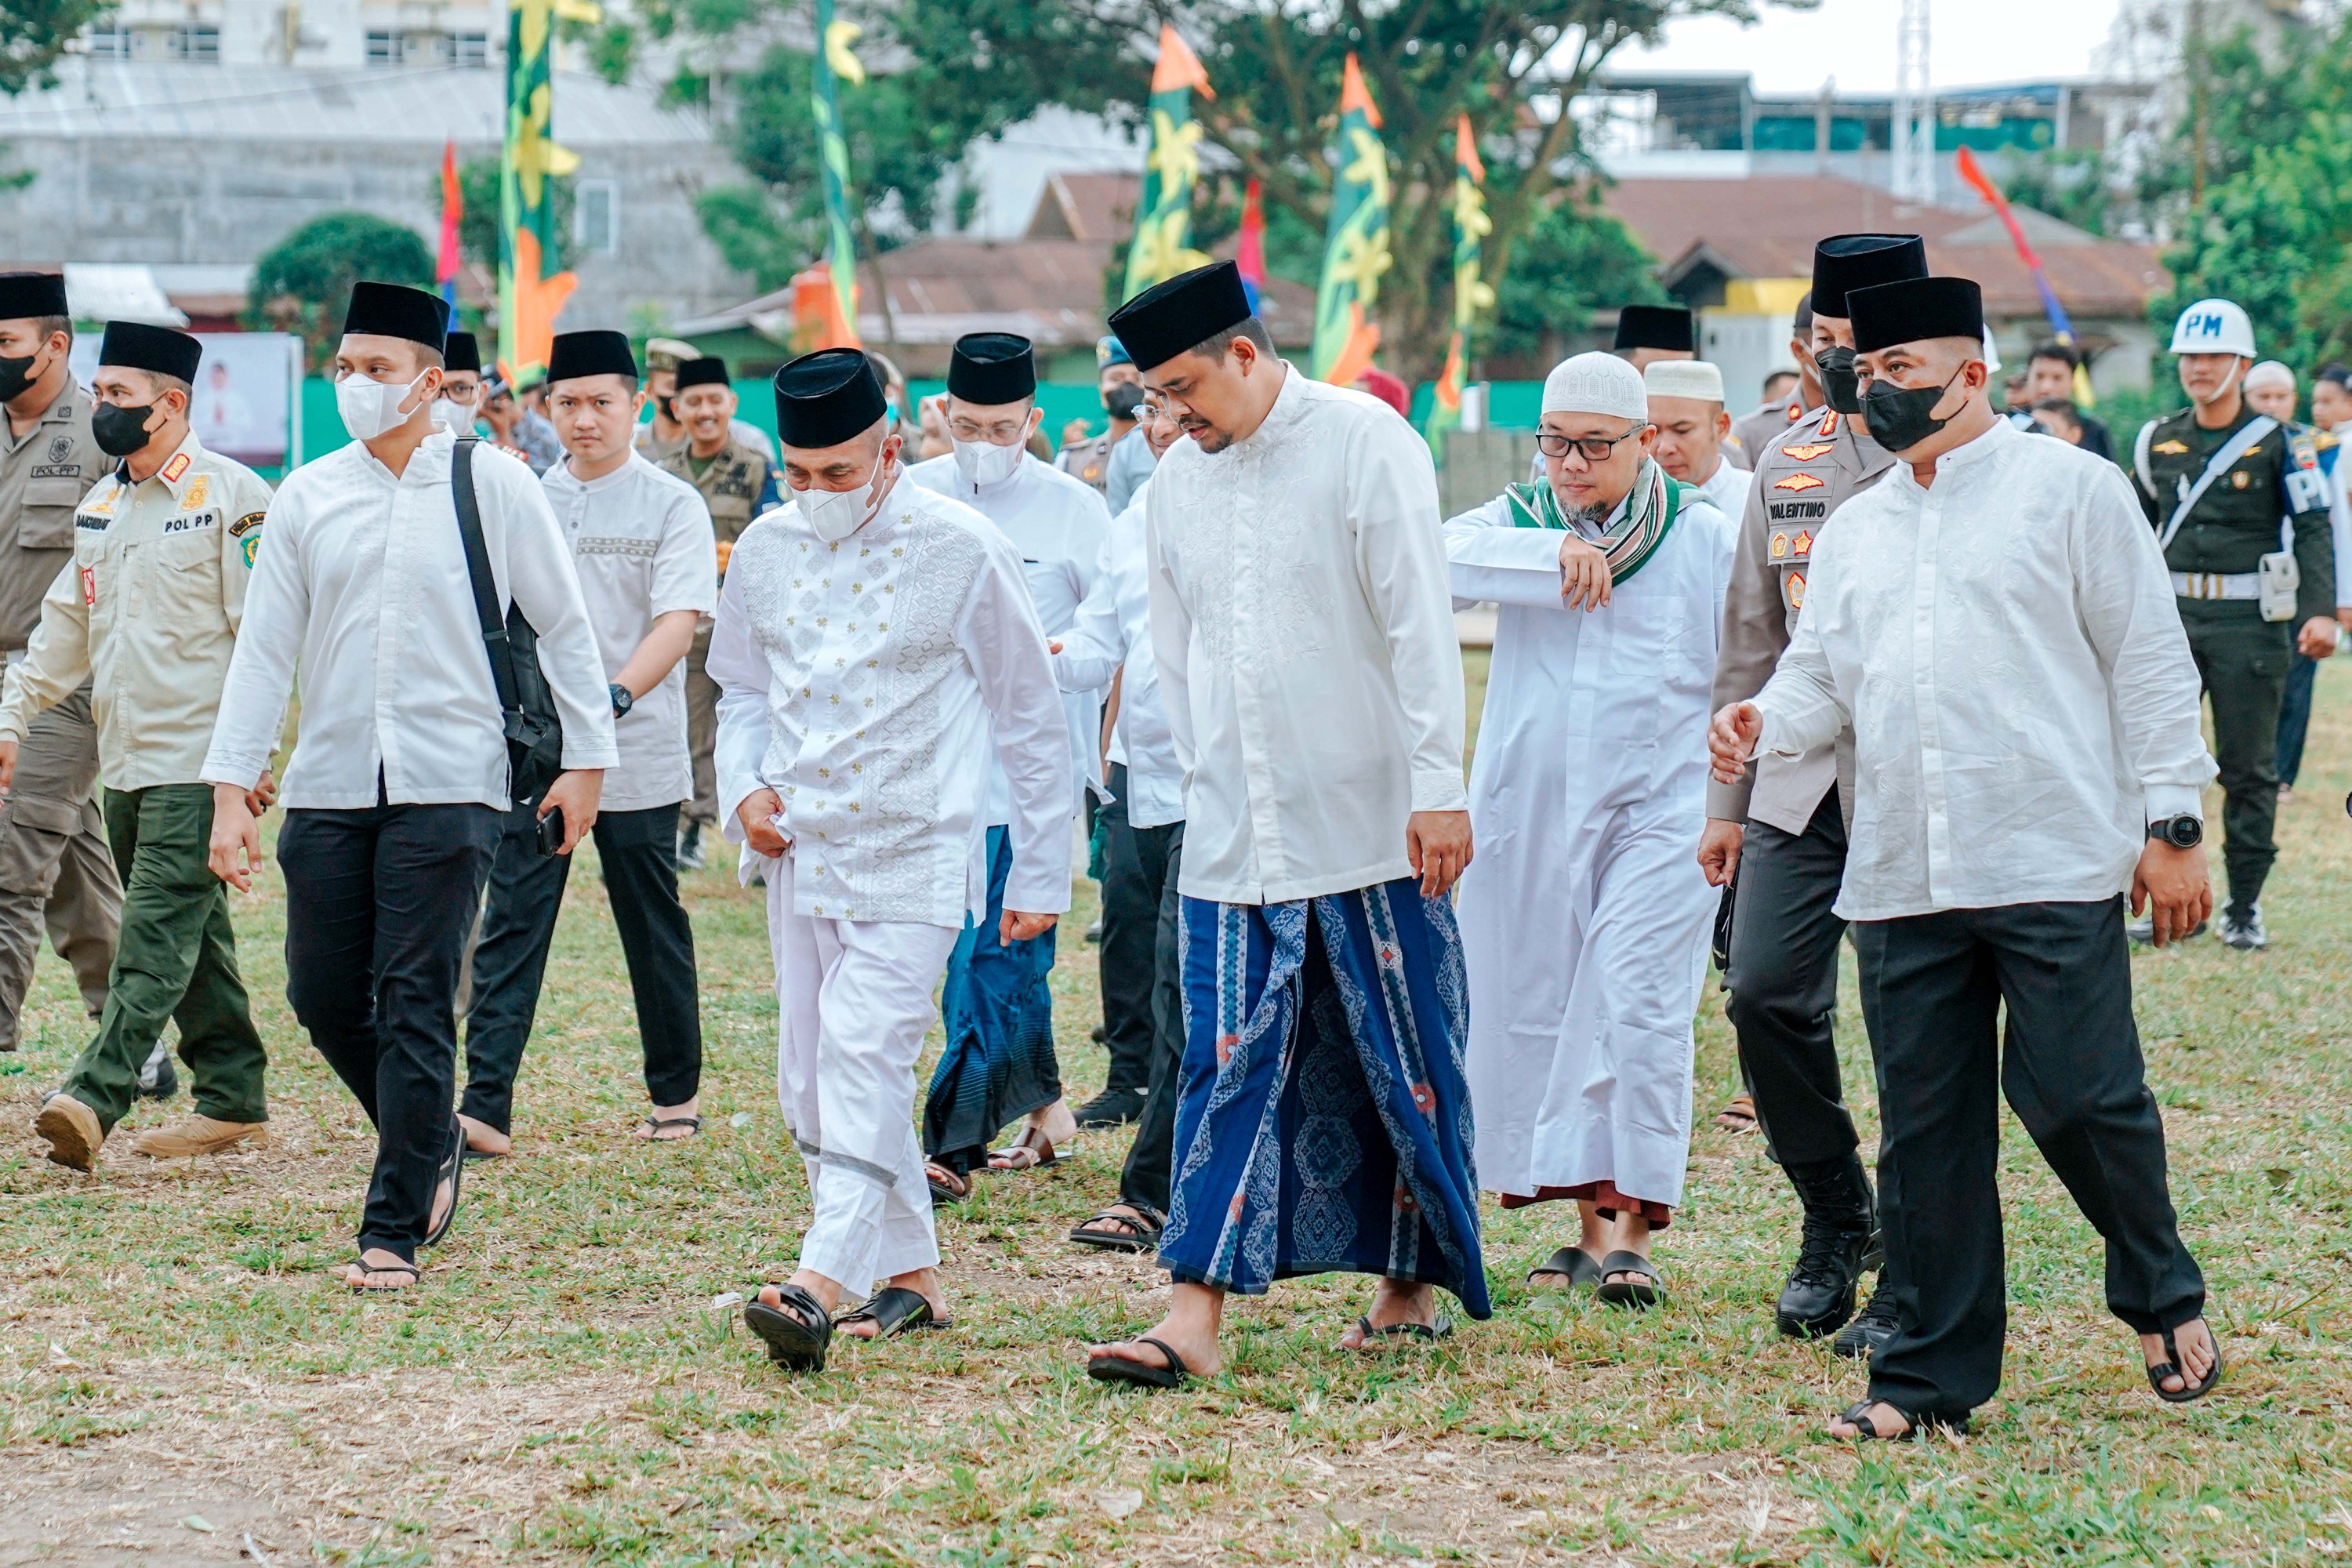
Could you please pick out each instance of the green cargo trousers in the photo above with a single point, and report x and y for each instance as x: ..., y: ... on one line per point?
x: 176, y: 959
x: 2243, y: 661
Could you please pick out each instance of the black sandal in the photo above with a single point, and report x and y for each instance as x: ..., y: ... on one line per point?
x: 1141, y: 1235
x: 2171, y: 1367
x: 394, y: 1267
x: 654, y: 1125
x: 942, y: 1192
x: 453, y: 1171
x: 1583, y: 1270
x: 895, y: 1310
x: 1105, y: 1367
x: 1628, y: 1292
x: 1441, y: 1330
x: 1857, y: 1416
x: 796, y: 1329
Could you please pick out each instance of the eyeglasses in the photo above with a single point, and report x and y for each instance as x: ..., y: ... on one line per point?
x: 1592, y: 448
x: 1003, y: 433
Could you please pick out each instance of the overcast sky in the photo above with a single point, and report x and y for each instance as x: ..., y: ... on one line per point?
x: 1972, y: 42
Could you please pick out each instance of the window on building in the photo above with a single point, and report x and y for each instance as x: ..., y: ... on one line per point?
x: 471, y: 50
x: 383, y: 48
x: 596, y: 217
x: 193, y: 42
x: 109, y: 41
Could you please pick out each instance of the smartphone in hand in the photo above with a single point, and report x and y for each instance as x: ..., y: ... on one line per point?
x: 551, y: 832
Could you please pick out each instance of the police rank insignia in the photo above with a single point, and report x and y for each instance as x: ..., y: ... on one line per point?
x: 2172, y: 448
x: 198, y: 488
x: 1807, y: 451
x: 1800, y: 483
x: 1780, y: 545
x: 1805, y: 544
x: 175, y: 468
x: 1796, y: 589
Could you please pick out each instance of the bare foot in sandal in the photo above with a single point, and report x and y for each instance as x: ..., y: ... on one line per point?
x: 1400, y: 1310
x: 379, y: 1268
x: 671, y: 1123
x: 481, y: 1138
x: 924, y: 1282
x: 2199, y: 1356
x: 1190, y: 1329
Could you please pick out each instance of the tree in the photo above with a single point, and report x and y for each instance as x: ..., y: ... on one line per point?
x: 34, y: 33
x: 303, y: 282
x: 1573, y: 257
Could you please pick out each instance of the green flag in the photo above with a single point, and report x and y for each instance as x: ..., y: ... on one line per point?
x: 529, y: 299
x: 1472, y: 294
x: 835, y: 62
x: 1356, y: 246
x: 1162, y: 245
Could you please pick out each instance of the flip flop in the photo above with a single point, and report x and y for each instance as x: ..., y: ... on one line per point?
x: 1142, y: 1234
x: 654, y: 1125
x: 1441, y: 1330
x: 364, y: 1267
x: 1584, y: 1269
x: 1104, y: 1367
x: 2171, y: 1367
x: 453, y: 1171
x: 1628, y: 1292
x: 796, y: 1329
x: 1857, y: 1416
x: 895, y: 1310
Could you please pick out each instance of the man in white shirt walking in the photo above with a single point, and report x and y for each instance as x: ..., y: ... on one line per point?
x: 641, y: 541
x: 874, y: 646
x: 1307, y: 662
x: 998, y: 1065
x: 1995, y: 622
x: 400, y: 775
x: 1584, y: 924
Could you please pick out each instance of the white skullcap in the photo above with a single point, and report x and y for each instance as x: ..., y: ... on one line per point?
x: 2268, y: 372
x: 1596, y: 384
x: 1684, y: 378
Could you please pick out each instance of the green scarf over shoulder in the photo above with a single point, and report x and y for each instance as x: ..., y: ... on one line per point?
x: 1650, y: 512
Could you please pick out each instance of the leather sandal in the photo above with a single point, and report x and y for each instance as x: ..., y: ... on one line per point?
x: 1857, y: 1416
x: 1141, y: 1233
x: 947, y: 1187
x: 2171, y: 1367
x: 1105, y: 1367
x: 1643, y: 1292
x: 394, y: 1267
x: 1032, y: 1151
x: 796, y: 1329
x: 894, y: 1309
x: 1582, y: 1269
x: 1443, y: 1329
x: 1738, y: 1115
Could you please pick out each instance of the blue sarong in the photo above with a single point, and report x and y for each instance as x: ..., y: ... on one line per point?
x: 998, y: 1007
x: 1322, y: 1119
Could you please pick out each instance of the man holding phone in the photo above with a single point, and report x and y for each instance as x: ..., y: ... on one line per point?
x: 642, y: 544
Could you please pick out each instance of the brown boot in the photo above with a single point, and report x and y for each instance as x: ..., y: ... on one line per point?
x: 72, y: 1130
x: 199, y: 1135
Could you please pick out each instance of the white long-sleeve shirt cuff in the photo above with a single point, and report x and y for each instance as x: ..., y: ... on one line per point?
x: 1795, y: 725
x: 2174, y: 800
x: 1440, y: 789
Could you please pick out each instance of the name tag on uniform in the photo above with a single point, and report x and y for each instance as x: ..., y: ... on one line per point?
x: 2307, y: 489
x: 191, y: 523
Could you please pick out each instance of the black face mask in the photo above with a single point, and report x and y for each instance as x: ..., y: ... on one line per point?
x: 1900, y: 417
x: 1123, y: 399
x: 669, y: 406
x: 119, y: 431
x: 1836, y: 365
x: 15, y: 376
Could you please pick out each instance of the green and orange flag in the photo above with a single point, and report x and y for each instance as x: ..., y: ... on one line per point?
x: 1471, y: 293
x: 1356, y: 243
x: 528, y: 166
x: 1162, y: 245
x: 837, y: 329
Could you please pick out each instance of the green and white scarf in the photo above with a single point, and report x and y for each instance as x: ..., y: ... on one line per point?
x: 1650, y: 512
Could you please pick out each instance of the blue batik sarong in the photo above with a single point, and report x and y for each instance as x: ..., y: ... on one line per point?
x: 998, y: 1009
x: 1322, y: 1119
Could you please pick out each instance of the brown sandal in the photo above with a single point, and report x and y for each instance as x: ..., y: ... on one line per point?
x: 1032, y: 1151
x: 1739, y: 1116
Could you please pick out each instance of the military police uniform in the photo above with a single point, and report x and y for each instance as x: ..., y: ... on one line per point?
x: 737, y: 485
x: 1754, y: 432
x: 55, y: 871
x: 141, y: 625
x: 2242, y: 645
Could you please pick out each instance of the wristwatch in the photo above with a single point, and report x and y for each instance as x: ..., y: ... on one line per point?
x: 622, y: 700
x: 2180, y: 832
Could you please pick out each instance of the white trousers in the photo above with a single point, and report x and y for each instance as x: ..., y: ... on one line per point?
x: 854, y: 1002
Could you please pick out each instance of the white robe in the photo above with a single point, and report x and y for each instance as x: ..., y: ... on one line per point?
x: 1584, y: 917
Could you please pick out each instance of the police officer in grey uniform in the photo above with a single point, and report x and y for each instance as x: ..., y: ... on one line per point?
x: 2215, y: 478
x: 1753, y: 432
x: 55, y: 869
x: 1785, y: 834
x: 1117, y: 461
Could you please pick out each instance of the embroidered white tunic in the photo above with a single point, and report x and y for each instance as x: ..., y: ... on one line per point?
x: 2006, y: 646
x: 1584, y: 915
x: 862, y: 679
x: 1056, y: 521
x: 1113, y: 634
x: 1305, y: 648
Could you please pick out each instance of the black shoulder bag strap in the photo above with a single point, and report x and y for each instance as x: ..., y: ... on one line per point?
x: 485, y: 585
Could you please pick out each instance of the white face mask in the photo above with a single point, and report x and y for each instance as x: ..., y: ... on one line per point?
x: 372, y: 408
x: 837, y: 514
x: 456, y: 417
x: 985, y: 462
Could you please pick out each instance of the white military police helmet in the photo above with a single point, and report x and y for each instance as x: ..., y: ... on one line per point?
x: 2213, y: 327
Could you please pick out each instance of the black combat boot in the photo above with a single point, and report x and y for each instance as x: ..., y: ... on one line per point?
x: 1841, y: 1240
x: 1872, y: 1327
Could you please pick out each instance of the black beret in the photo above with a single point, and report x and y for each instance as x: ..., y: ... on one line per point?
x: 1913, y: 309
x: 1844, y: 262
x: 598, y: 352
x: 462, y: 352
x: 702, y: 372
x: 992, y: 368
x: 1664, y: 327
x: 1181, y: 314
x: 396, y: 310
x: 24, y: 295
x: 135, y: 345
x: 826, y: 398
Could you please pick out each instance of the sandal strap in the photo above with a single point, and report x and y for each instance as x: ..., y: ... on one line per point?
x: 1857, y: 1416
x: 1175, y: 1362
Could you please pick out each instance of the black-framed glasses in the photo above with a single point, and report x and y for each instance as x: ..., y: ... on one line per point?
x: 1592, y: 448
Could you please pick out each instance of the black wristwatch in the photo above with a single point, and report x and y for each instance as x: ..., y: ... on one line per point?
x: 622, y: 700
x: 2180, y: 832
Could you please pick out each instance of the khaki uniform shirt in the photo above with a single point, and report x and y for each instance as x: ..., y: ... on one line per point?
x: 42, y: 476
x: 2235, y: 522
x: 1803, y: 476
x: 1752, y: 433
x: 731, y: 488
x: 147, y: 611
x: 1088, y: 461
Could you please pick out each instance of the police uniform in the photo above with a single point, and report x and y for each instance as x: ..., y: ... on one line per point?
x: 1752, y: 432
x: 141, y: 627
x: 1089, y: 460
x: 55, y: 869
x: 2216, y: 557
x: 734, y: 485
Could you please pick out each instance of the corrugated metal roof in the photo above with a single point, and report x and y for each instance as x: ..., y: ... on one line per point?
x: 144, y: 100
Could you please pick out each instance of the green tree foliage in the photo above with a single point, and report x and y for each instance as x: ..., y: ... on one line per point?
x: 34, y: 33
x: 303, y: 282
x: 1572, y: 259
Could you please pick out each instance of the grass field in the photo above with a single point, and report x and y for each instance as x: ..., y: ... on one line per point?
x: 183, y: 1380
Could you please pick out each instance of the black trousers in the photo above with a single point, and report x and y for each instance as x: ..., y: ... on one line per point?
x: 1135, y: 862
x: 2242, y: 660
x: 638, y: 852
x: 1783, y: 982
x: 378, y: 903
x: 1932, y: 990
x: 1150, y: 1159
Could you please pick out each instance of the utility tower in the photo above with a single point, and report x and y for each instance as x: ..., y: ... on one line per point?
x: 1915, y: 108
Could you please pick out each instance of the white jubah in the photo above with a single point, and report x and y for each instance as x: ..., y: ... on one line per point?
x: 1585, y: 917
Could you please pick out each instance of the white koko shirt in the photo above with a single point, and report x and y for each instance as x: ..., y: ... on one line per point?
x: 642, y: 545
x: 1056, y: 521
x: 2006, y: 648
x: 363, y: 585
x: 1304, y: 633
x: 862, y: 679
x: 1113, y: 634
